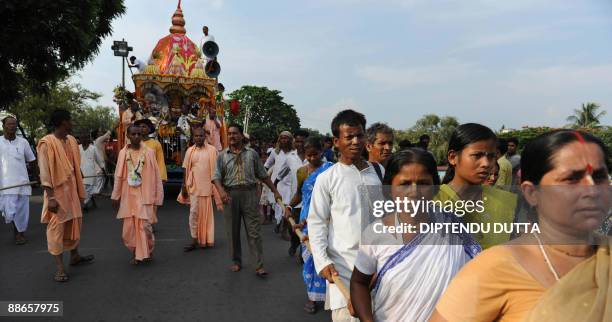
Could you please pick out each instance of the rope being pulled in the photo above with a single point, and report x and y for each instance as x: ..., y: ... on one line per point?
x: 36, y: 182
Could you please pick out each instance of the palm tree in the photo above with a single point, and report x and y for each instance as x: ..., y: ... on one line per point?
x: 587, y: 117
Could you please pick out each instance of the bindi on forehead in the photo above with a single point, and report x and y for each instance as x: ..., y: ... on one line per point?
x: 578, y: 156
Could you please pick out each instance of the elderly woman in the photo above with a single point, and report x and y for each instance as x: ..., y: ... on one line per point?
x: 561, y: 273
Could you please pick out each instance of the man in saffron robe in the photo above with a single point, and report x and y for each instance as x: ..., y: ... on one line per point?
x: 137, y: 192
x: 200, y: 163
x: 60, y: 176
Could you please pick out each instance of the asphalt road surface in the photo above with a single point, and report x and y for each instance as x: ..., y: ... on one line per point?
x: 176, y: 286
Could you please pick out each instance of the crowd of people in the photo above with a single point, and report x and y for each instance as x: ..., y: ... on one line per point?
x: 559, y: 182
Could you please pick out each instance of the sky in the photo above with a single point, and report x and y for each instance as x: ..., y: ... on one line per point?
x: 512, y: 63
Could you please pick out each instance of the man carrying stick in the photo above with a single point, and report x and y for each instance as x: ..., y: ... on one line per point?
x: 15, y: 202
x: 334, y: 217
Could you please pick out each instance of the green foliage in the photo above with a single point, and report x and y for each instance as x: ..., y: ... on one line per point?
x: 524, y: 135
x: 269, y: 115
x: 35, y: 108
x: 438, y: 128
x: 91, y: 118
x: 586, y: 117
x: 314, y: 133
x: 43, y: 42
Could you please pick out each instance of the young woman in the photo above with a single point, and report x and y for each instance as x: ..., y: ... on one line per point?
x: 399, y: 277
x: 561, y: 273
x: 306, y: 177
x: 471, y: 156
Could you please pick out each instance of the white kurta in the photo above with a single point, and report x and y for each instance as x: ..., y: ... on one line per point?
x: 14, y: 203
x: 13, y: 157
x: 285, y: 166
x: 100, y: 144
x: 91, y: 164
x: 334, y: 221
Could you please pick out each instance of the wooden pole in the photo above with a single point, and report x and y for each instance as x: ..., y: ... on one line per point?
x: 345, y: 292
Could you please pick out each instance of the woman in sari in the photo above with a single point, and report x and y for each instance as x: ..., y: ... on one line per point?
x: 563, y: 271
x: 471, y: 156
x: 400, y: 276
x: 306, y: 177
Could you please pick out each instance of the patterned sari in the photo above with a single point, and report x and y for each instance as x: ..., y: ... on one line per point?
x: 315, y: 285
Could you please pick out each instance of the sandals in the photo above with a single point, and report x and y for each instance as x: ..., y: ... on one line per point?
x: 235, y: 268
x: 261, y: 273
x: 88, y: 259
x: 20, y: 241
x: 190, y: 247
x: 310, y: 307
x: 60, y: 277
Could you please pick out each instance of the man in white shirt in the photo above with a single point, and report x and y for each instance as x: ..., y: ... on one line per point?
x: 298, y: 145
x: 91, y: 167
x: 285, y: 161
x: 15, y: 202
x: 137, y: 63
x: 334, y: 218
x: 206, y: 37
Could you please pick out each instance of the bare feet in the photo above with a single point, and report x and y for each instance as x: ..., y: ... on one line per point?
x: 235, y: 268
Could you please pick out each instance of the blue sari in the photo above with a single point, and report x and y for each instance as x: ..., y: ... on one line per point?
x: 315, y: 285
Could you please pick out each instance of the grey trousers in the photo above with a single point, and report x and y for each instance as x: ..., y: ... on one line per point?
x: 242, y: 209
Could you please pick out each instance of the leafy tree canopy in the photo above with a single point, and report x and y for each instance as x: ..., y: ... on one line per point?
x: 42, y: 42
x: 269, y: 114
x: 35, y: 108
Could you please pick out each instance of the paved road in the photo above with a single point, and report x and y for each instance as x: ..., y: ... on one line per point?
x: 177, y: 286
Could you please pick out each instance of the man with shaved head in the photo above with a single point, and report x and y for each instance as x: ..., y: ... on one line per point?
x: 197, y: 191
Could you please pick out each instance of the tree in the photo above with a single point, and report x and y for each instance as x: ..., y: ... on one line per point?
x: 525, y: 135
x: 42, y: 42
x: 314, y: 133
x: 529, y: 133
x: 439, y: 130
x: 586, y: 117
x: 91, y: 118
x: 35, y: 108
x: 269, y: 115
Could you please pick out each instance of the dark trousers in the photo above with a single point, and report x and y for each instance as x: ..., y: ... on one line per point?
x: 242, y: 209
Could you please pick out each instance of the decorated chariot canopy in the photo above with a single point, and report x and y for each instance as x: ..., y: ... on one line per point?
x: 175, y: 78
